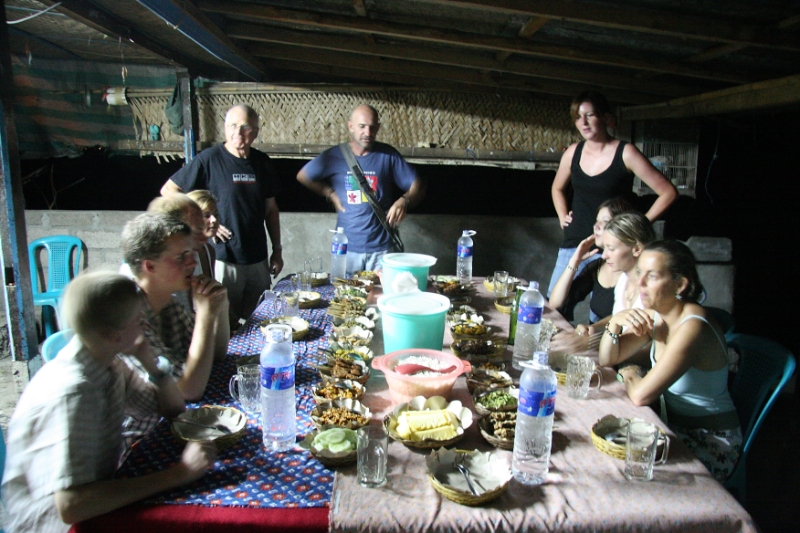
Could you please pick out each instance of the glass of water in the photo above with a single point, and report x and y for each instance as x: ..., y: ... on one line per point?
x: 373, y: 448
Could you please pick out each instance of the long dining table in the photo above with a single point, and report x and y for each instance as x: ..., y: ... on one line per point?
x: 585, y: 489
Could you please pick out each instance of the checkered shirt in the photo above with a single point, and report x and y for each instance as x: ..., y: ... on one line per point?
x: 169, y: 333
x: 67, y: 431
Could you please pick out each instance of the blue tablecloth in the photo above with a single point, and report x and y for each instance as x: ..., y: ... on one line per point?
x: 246, y: 474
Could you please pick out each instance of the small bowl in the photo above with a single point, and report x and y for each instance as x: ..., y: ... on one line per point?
x: 350, y: 291
x: 491, y: 470
x: 299, y: 326
x: 327, y: 457
x: 319, y: 279
x: 351, y: 405
x: 470, y: 348
x: 482, y: 409
x: 504, y: 305
x: 420, y: 403
x: 370, y: 275
x: 487, y: 379
x: 362, y: 321
x: 331, y: 371
x: 210, y: 415
x: 355, y: 387
x: 308, y: 299
x: 470, y: 330
x: 404, y: 387
x: 355, y: 336
x: 353, y: 351
x: 488, y: 282
x: 486, y: 427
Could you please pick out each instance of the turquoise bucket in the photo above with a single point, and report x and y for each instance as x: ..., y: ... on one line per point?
x: 417, y: 264
x: 413, y: 320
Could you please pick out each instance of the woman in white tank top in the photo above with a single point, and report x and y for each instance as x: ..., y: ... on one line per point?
x: 689, y: 356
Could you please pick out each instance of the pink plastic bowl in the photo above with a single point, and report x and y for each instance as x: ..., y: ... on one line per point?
x: 404, y: 387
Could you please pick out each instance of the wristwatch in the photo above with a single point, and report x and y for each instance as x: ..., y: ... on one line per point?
x: 163, y: 368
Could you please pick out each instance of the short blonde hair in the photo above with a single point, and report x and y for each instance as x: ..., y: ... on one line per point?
x: 98, y: 303
x: 175, y: 205
x: 204, y: 199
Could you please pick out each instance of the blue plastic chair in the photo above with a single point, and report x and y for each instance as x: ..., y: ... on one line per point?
x: 63, y: 264
x: 54, y: 343
x: 764, y: 368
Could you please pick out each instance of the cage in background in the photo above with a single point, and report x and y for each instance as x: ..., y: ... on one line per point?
x: 672, y: 147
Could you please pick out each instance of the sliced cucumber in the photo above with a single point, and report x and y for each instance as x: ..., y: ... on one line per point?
x: 344, y: 446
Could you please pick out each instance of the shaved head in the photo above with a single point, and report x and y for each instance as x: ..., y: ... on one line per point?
x: 363, y: 125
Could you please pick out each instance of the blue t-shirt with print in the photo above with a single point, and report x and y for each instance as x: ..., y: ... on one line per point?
x: 382, y: 165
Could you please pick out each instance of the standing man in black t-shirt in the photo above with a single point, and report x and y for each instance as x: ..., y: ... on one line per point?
x: 245, y: 184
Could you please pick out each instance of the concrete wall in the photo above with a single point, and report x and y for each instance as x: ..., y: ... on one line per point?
x: 526, y: 247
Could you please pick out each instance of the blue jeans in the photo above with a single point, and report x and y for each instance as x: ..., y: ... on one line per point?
x: 564, y: 255
x: 364, y: 261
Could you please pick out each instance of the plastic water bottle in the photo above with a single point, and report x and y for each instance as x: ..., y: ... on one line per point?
x: 277, y: 388
x: 534, y: 432
x: 529, y: 322
x: 464, y: 257
x: 339, y: 254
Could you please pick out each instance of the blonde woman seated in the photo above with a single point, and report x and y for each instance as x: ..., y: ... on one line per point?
x: 597, y: 278
x: 208, y: 204
x: 624, y: 238
x: 688, y: 356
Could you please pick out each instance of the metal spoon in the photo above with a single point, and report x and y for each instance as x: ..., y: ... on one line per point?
x: 219, y: 427
x: 464, y: 470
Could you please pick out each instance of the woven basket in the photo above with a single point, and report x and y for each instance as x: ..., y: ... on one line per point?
x: 309, y: 299
x: 299, y: 326
x: 483, y: 410
x: 358, y: 389
x: 496, y: 353
x: 421, y: 445
x: 330, y: 460
x: 351, y: 405
x: 611, y: 423
x: 487, y: 432
x: 504, y: 305
x: 222, y: 442
x: 319, y: 281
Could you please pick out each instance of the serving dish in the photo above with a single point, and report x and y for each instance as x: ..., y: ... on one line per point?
x: 308, y: 299
x: 489, y: 474
x: 353, y: 413
x: 405, y: 386
x: 325, y: 456
x: 210, y: 415
x: 434, y: 404
x: 299, y: 326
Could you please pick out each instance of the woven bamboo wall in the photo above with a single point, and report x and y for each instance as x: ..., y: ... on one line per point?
x: 408, y: 118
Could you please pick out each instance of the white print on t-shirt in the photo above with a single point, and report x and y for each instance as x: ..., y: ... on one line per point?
x: 244, y: 178
x: 354, y: 194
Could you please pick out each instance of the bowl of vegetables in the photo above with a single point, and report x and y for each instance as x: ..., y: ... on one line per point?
x: 332, y: 447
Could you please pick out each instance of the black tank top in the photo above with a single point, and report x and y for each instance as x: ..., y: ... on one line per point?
x: 591, y: 191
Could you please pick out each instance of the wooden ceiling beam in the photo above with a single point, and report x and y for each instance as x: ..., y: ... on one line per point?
x: 751, y: 97
x: 256, y: 12
x: 360, y: 8
x: 533, y: 25
x: 411, y: 52
x: 638, y: 19
x: 715, y: 52
x: 439, y: 72
x: 98, y: 19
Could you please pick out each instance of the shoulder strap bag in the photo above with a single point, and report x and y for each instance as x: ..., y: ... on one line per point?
x: 355, y: 168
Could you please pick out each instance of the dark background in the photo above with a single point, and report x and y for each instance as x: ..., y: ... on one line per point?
x: 746, y: 191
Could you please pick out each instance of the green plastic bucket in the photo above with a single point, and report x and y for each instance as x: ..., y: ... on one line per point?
x: 417, y: 264
x: 413, y: 320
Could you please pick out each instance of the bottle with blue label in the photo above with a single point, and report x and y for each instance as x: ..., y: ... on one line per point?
x: 529, y: 322
x: 339, y: 254
x: 533, y: 436
x: 277, y: 388
x: 464, y: 257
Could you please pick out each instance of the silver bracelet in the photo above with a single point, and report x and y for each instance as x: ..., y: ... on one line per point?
x: 614, y: 336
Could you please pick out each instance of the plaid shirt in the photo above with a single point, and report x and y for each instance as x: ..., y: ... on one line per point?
x: 170, y: 335
x: 67, y: 431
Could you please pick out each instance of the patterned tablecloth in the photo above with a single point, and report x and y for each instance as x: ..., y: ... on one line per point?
x: 585, y: 490
x: 246, y: 475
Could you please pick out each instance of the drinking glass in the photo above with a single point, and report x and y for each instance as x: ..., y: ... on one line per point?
x: 640, y: 450
x: 372, y: 451
x: 580, y: 371
x: 287, y: 304
x: 500, y: 284
x: 316, y: 264
x: 305, y: 275
x: 248, y: 394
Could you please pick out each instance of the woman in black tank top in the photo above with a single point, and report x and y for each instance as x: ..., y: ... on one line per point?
x: 598, y: 168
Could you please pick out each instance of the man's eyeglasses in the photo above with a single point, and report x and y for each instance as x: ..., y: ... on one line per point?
x: 247, y: 128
